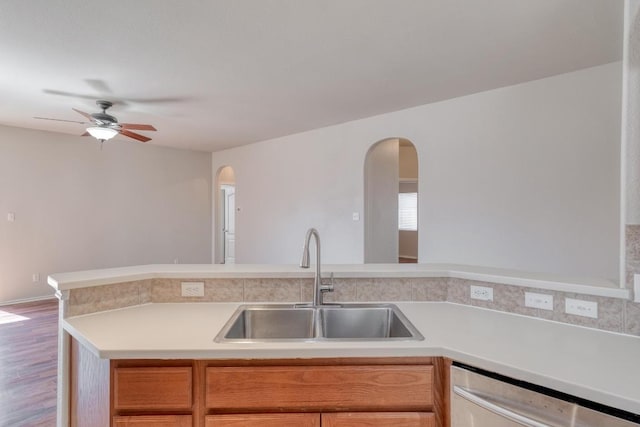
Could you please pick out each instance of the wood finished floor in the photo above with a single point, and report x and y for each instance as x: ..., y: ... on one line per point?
x: 28, y: 364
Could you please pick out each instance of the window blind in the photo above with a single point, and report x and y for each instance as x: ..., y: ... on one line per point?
x: 408, y: 211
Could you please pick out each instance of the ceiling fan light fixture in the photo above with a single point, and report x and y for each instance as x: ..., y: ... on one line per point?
x: 102, y: 133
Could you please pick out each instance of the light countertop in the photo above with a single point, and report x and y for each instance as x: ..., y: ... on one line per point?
x: 600, y: 366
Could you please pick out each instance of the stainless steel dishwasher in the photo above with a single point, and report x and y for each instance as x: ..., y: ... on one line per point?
x: 484, y: 399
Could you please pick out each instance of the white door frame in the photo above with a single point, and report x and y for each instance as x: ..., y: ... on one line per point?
x: 228, y: 223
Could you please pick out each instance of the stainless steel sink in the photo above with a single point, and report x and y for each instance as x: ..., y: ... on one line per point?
x: 271, y: 322
x: 366, y: 322
x: 370, y: 322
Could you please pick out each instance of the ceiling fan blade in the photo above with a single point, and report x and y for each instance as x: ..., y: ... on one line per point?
x: 137, y: 126
x: 87, y: 115
x: 134, y: 135
x: 70, y: 94
x: 165, y: 100
x: 98, y: 85
x: 60, y: 120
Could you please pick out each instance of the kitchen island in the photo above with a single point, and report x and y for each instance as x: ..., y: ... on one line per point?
x: 592, y: 364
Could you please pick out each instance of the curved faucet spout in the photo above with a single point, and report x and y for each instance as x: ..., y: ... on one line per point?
x: 318, y: 286
x: 304, y: 262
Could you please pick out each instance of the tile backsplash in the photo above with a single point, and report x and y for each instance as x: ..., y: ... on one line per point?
x: 614, y: 314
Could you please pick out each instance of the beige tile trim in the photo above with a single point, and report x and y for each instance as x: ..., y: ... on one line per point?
x: 613, y: 314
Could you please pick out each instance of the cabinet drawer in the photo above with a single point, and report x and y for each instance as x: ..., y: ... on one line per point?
x: 154, y: 421
x: 320, y: 388
x: 165, y: 388
x: 379, y: 419
x: 263, y: 420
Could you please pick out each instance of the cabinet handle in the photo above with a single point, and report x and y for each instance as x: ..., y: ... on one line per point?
x: 496, y: 409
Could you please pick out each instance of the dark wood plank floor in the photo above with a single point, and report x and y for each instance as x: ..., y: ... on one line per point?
x: 28, y: 364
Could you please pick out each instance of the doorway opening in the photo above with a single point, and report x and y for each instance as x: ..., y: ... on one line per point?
x: 391, y: 202
x: 226, y: 216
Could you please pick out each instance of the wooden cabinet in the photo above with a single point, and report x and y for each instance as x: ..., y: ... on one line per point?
x: 153, y: 388
x: 153, y: 394
x: 379, y: 419
x: 344, y: 393
x: 339, y: 392
x: 320, y: 388
x: 153, y: 421
x: 338, y: 419
x: 263, y: 420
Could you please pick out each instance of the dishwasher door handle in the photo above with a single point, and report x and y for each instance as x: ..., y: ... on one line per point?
x: 497, y: 409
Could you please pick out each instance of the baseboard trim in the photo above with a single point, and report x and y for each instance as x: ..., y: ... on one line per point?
x: 24, y: 300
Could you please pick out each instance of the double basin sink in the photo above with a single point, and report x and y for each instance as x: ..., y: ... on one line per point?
x: 346, y: 322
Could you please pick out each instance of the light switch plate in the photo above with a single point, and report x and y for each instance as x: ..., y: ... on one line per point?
x: 581, y: 307
x: 11, y: 216
x: 192, y: 289
x: 542, y: 301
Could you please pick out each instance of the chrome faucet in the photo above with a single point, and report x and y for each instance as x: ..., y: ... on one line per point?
x: 319, y: 288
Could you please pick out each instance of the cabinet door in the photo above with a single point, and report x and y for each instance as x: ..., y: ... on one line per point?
x: 153, y: 421
x: 378, y: 419
x: 263, y: 420
x: 320, y: 388
x: 153, y: 388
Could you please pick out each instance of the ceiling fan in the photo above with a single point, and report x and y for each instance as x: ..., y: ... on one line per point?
x: 103, y: 126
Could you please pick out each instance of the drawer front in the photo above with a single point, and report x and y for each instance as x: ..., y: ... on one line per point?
x: 154, y: 421
x: 263, y: 420
x: 379, y: 419
x: 320, y: 388
x: 165, y: 388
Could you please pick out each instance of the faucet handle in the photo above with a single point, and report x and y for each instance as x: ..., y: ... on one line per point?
x: 327, y: 287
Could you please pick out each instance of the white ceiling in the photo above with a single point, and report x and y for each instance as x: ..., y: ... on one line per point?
x: 212, y: 74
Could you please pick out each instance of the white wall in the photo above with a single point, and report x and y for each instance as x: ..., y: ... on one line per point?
x: 78, y: 207
x: 381, y: 173
x: 523, y: 177
x: 631, y: 112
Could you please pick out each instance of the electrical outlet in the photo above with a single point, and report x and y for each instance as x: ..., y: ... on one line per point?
x: 192, y: 289
x: 482, y: 293
x: 543, y: 301
x: 11, y: 216
x: 581, y: 308
x: 35, y: 277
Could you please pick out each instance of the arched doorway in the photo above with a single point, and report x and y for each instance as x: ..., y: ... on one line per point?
x: 225, y: 252
x: 391, y: 202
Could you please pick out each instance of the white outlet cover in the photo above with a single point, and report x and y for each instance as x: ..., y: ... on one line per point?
x: 483, y: 293
x: 356, y: 216
x: 11, y: 216
x: 192, y: 289
x: 581, y: 307
x: 542, y: 301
